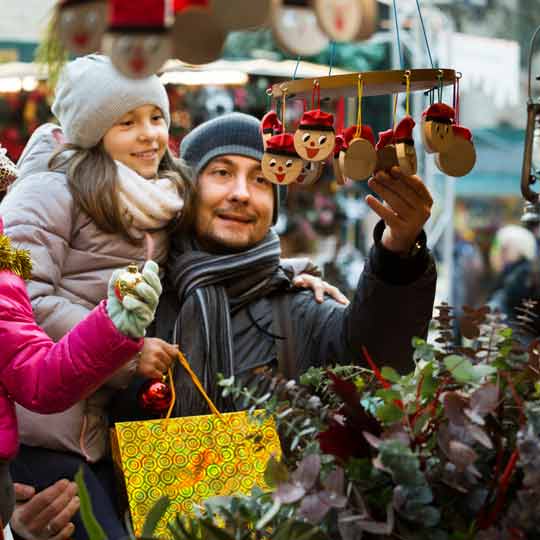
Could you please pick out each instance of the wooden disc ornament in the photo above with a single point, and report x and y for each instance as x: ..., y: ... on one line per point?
x: 311, y: 172
x: 138, y: 39
x: 460, y: 158
x: 280, y: 163
x: 437, y: 133
x: 197, y: 37
x: 359, y: 159
x: 81, y: 25
x: 314, y: 139
x: 234, y: 15
x: 295, y: 28
x: 404, y: 143
x: 346, y: 20
x: 386, y: 151
x: 270, y: 126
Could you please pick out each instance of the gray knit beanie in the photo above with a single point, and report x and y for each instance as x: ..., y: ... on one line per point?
x: 230, y: 134
x: 92, y: 95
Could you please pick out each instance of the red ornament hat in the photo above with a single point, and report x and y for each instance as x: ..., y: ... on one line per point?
x: 144, y: 15
x: 181, y: 5
x: 385, y: 138
x: 317, y: 120
x: 365, y: 133
x: 463, y: 132
x: 440, y: 112
x: 282, y: 144
x: 403, y: 131
x: 270, y: 122
x: 340, y: 145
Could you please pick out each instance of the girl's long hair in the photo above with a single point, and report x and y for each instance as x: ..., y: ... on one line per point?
x: 92, y: 180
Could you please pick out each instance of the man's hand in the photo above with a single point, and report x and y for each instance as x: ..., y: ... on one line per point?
x: 45, y: 515
x: 406, y: 208
x: 320, y: 288
x: 155, y: 358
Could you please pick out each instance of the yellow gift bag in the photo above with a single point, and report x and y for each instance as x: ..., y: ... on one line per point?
x: 190, y: 459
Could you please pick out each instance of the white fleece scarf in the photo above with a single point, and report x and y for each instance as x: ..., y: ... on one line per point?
x: 146, y: 204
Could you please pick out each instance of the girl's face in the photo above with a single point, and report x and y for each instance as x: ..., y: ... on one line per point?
x: 139, y: 140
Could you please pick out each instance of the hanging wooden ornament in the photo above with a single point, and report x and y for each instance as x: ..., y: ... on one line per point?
x: 234, y: 15
x: 81, y: 25
x: 359, y: 159
x: 311, y: 172
x: 460, y: 158
x: 386, y: 151
x: 346, y: 20
x: 404, y: 143
x: 280, y: 163
x: 270, y: 126
x: 437, y: 134
x: 138, y: 38
x: 295, y: 29
x: 197, y: 36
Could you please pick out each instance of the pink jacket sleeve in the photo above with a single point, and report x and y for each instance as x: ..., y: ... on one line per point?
x: 48, y: 377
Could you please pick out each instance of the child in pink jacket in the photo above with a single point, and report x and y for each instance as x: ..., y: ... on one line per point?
x: 49, y: 377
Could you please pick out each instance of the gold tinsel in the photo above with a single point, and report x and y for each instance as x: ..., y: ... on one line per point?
x: 16, y: 260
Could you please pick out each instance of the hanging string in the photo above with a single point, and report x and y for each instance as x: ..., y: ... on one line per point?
x: 296, y: 67
x: 425, y: 33
x: 440, y: 86
x: 316, y: 91
x: 269, y: 99
x: 395, y: 111
x: 407, y: 91
x: 397, y: 34
x: 332, y: 53
x: 359, y: 113
x: 456, y: 105
x: 283, y: 108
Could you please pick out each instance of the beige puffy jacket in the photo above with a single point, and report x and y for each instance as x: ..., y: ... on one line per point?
x: 72, y: 263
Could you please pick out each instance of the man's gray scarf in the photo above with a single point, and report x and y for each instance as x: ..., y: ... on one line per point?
x: 210, y: 289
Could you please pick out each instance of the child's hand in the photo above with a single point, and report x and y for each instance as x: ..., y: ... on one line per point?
x: 155, y: 358
x: 133, y: 314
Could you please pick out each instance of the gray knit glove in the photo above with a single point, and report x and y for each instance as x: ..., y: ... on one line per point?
x: 133, y: 314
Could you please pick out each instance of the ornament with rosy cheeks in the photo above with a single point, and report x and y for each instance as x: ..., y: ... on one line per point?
x: 280, y: 163
x: 137, y: 39
x: 137, y: 55
x: 270, y: 126
x: 359, y: 158
x: 340, y: 20
x: 405, y: 151
x: 311, y: 172
x: 386, y: 151
x: 314, y: 140
x: 81, y: 25
x: 437, y: 134
x: 460, y: 159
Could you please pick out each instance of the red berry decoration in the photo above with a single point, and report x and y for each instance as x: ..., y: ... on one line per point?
x: 154, y: 396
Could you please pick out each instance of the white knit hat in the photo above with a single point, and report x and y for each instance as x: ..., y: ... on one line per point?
x: 92, y: 95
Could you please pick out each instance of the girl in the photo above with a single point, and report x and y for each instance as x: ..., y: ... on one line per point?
x: 48, y: 377
x: 109, y: 185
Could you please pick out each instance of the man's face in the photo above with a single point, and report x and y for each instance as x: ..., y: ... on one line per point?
x: 234, y: 204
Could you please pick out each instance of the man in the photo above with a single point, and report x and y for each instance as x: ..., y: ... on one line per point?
x: 231, y: 308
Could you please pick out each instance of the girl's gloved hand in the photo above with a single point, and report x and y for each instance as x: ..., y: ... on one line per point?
x: 133, y: 314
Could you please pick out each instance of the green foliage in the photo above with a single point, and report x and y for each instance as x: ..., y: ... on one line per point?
x: 92, y: 526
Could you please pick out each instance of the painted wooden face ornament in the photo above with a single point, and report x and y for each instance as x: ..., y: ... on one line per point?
x: 460, y: 158
x: 315, y: 139
x: 137, y: 40
x: 81, y: 25
x: 386, y: 151
x: 404, y: 143
x: 437, y: 133
x: 311, y: 172
x: 270, y: 126
x: 280, y: 163
x: 359, y: 158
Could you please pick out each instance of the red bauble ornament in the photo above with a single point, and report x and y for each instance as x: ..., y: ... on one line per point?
x: 154, y: 396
